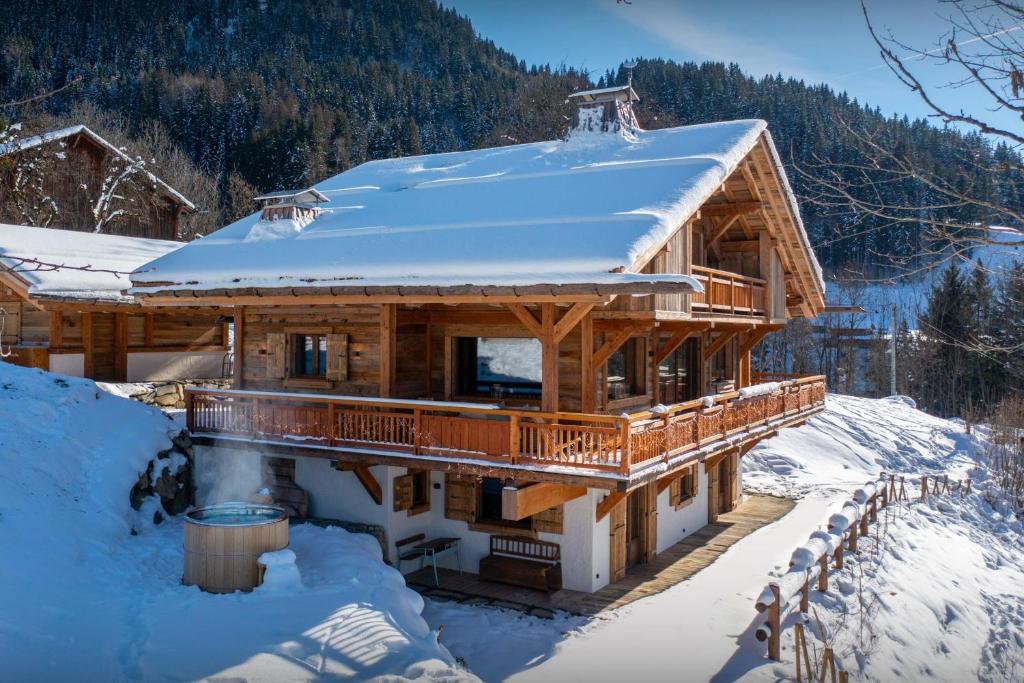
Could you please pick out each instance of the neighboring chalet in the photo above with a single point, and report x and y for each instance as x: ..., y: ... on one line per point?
x: 79, y: 164
x: 74, y: 319
x: 549, y: 341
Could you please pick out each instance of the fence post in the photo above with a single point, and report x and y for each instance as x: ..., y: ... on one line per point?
x: 823, y: 573
x: 775, y: 625
x: 853, y: 538
x: 924, y: 486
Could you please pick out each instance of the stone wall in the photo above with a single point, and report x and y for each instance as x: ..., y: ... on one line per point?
x: 164, y: 394
x: 168, y: 476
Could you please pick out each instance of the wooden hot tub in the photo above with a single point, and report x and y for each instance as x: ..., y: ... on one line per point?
x: 224, y: 542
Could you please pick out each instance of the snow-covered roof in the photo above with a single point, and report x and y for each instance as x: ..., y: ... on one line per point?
x: 23, y: 144
x: 310, y: 194
x: 598, y: 92
x: 72, y: 250
x: 583, y: 210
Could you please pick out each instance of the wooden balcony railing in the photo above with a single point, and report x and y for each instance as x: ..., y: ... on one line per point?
x: 729, y: 293
x: 463, y: 430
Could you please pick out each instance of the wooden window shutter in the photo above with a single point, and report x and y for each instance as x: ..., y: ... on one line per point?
x: 337, y: 357
x: 276, y: 355
x: 550, y: 520
x: 460, y: 497
x: 403, y: 492
x: 675, y: 491
x: 693, y: 481
x: 650, y: 500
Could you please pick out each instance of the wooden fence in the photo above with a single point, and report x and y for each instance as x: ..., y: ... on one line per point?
x: 809, y: 564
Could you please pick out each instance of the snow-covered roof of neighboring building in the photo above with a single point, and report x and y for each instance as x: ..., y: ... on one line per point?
x: 109, y: 259
x: 582, y: 210
x: 307, y: 195
x: 22, y: 144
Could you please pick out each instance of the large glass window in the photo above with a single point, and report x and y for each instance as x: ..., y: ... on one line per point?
x: 498, y: 367
x: 679, y: 374
x: 309, y: 355
x: 626, y: 370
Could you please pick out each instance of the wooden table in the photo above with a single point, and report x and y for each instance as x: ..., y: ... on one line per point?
x: 439, y: 546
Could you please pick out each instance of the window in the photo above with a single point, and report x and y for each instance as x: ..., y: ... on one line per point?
x: 723, y: 365
x: 498, y: 367
x: 489, y: 510
x: 679, y: 374
x: 412, y: 492
x: 421, y: 489
x: 684, y: 488
x: 309, y: 355
x: 626, y: 370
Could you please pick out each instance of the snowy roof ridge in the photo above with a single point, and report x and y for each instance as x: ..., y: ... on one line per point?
x: 109, y: 257
x: 80, y: 129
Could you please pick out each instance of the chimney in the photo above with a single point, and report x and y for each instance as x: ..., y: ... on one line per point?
x: 294, y: 204
x: 607, y: 110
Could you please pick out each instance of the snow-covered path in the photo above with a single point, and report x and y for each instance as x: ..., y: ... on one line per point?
x: 691, y: 627
x: 944, y: 604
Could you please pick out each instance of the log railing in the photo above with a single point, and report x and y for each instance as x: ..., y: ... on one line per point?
x: 483, y: 432
x: 729, y: 293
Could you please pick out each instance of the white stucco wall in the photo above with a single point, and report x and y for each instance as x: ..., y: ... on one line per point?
x: 675, y: 525
x: 156, y: 366
x: 334, y: 494
x: 68, y: 364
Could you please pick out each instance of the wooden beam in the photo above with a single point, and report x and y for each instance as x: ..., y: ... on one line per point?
x: 56, y: 330
x: 730, y: 208
x: 588, y: 386
x: 149, y: 330
x: 569, y: 319
x: 120, y: 347
x: 718, y: 343
x: 750, y: 339
x: 671, y: 345
x: 365, y: 477
x: 387, y: 349
x: 612, y: 345
x: 517, y: 504
x: 238, y: 369
x: 606, y: 504
x: 195, y: 299
x: 87, y: 350
x: 527, y: 319
x: 549, y: 360
x: 717, y: 231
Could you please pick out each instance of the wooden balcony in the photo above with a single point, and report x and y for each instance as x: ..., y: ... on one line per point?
x: 557, y: 442
x: 729, y: 293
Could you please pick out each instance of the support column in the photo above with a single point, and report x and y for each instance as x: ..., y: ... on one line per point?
x: 549, y: 360
x: 238, y: 369
x: 388, y: 323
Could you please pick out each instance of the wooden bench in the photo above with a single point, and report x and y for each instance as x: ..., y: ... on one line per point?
x: 523, y: 562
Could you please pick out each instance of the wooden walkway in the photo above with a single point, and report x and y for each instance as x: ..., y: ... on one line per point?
x: 678, y: 563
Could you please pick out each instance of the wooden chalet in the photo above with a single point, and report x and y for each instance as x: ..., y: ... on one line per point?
x: 79, y: 162
x: 62, y: 309
x: 547, y: 341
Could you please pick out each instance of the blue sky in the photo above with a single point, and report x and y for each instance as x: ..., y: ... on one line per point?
x: 823, y: 41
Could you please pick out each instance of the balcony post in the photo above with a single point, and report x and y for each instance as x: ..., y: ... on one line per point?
x: 513, y: 438
x: 331, y: 421
x: 417, y: 433
x: 624, y: 450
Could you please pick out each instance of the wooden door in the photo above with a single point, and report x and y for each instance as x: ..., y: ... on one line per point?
x: 713, y: 503
x: 650, y: 498
x: 724, y: 495
x: 617, y: 542
x: 102, y: 353
x: 635, y: 528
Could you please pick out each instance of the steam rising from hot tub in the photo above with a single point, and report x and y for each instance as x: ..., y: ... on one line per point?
x: 230, y: 475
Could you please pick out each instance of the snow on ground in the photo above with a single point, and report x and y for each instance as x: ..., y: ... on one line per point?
x: 83, y: 599
x: 942, y: 598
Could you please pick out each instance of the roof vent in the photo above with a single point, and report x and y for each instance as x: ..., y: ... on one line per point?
x: 606, y: 110
x: 291, y: 204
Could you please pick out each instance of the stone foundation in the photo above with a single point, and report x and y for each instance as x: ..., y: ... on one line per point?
x: 164, y: 394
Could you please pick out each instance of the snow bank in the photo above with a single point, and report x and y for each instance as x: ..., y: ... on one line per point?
x: 91, y: 589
